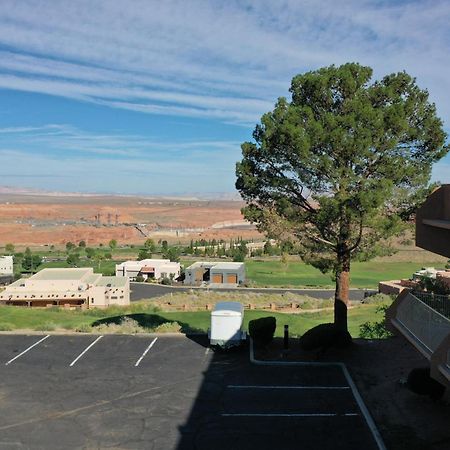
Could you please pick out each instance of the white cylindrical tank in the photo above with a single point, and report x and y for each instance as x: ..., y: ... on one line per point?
x: 226, y: 324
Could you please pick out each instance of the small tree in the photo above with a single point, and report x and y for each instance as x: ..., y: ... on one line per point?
x: 112, y: 244
x: 149, y: 244
x: 9, y: 248
x: 30, y: 262
x: 98, y: 258
x: 268, y: 249
x: 82, y: 244
x: 70, y: 246
x: 238, y: 256
x: 90, y: 252
x: 338, y: 166
x: 173, y: 254
x: 143, y: 254
x: 73, y: 259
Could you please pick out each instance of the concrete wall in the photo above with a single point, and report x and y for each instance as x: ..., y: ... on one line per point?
x: 433, y: 222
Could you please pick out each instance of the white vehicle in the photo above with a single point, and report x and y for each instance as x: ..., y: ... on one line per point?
x: 226, y: 324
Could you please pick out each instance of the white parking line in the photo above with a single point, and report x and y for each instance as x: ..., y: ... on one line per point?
x: 232, y: 386
x: 145, y: 352
x: 27, y: 350
x: 288, y: 415
x: 84, y: 351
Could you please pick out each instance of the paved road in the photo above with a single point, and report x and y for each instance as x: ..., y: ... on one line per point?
x: 141, y: 291
x: 132, y: 392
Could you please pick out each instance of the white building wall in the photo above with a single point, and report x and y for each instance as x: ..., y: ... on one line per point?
x: 131, y: 269
x: 6, y: 265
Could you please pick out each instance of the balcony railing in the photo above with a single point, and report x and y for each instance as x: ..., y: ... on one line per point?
x: 427, y: 325
x: 423, y: 319
x: 439, y: 303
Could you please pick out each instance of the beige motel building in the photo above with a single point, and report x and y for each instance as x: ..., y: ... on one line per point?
x: 79, y: 287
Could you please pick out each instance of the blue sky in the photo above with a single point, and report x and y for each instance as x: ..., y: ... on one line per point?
x: 156, y: 96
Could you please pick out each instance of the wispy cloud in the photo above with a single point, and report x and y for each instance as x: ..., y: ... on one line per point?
x: 226, y: 60
x: 114, y: 162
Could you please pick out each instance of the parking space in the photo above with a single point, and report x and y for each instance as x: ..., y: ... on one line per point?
x: 133, y: 392
x: 280, y: 407
x: 94, y: 352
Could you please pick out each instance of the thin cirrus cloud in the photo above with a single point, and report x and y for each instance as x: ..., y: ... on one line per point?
x: 222, y: 61
x: 89, y: 157
x: 228, y: 60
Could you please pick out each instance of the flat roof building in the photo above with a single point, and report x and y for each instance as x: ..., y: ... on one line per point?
x: 220, y: 273
x: 79, y: 287
x: 433, y: 222
x: 156, y: 269
x: 6, y: 265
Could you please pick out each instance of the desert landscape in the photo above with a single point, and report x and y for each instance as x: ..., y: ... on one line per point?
x: 52, y: 218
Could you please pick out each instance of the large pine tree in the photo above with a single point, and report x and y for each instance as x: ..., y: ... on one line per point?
x: 339, y: 164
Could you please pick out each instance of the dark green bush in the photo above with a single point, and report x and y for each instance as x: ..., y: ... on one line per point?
x: 324, y: 336
x: 375, y: 330
x: 166, y: 281
x: 420, y: 382
x: 262, y: 330
x: 139, y: 278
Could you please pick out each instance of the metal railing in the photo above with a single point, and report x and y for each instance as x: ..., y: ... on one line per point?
x: 423, y: 321
x: 440, y: 303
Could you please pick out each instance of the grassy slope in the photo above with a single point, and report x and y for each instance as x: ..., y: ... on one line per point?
x: 363, y: 274
x: 16, y: 318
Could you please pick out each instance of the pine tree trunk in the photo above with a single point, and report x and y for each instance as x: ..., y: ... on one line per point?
x: 341, y: 296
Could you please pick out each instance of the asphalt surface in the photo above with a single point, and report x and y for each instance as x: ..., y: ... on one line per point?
x: 132, y: 392
x: 143, y: 291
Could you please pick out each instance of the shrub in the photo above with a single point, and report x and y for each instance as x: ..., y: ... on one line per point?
x: 127, y: 325
x: 46, y: 326
x: 377, y: 298
x: 139, y: 279
x: 262, y: 330
x: 166, y: 281
x: 420, y: 382
x: 375, y: 330
x: 84, y: 328
x: 6, y: 326
x: 168, y: 327
x: 324, y: 336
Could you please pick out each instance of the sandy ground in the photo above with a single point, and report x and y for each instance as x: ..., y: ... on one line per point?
x: 379, y: 368
x: 56, y: 220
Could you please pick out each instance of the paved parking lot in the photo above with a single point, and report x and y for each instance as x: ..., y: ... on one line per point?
x: 133, y: 392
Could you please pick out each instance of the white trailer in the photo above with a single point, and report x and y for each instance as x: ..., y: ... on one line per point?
x: 226, y: 324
